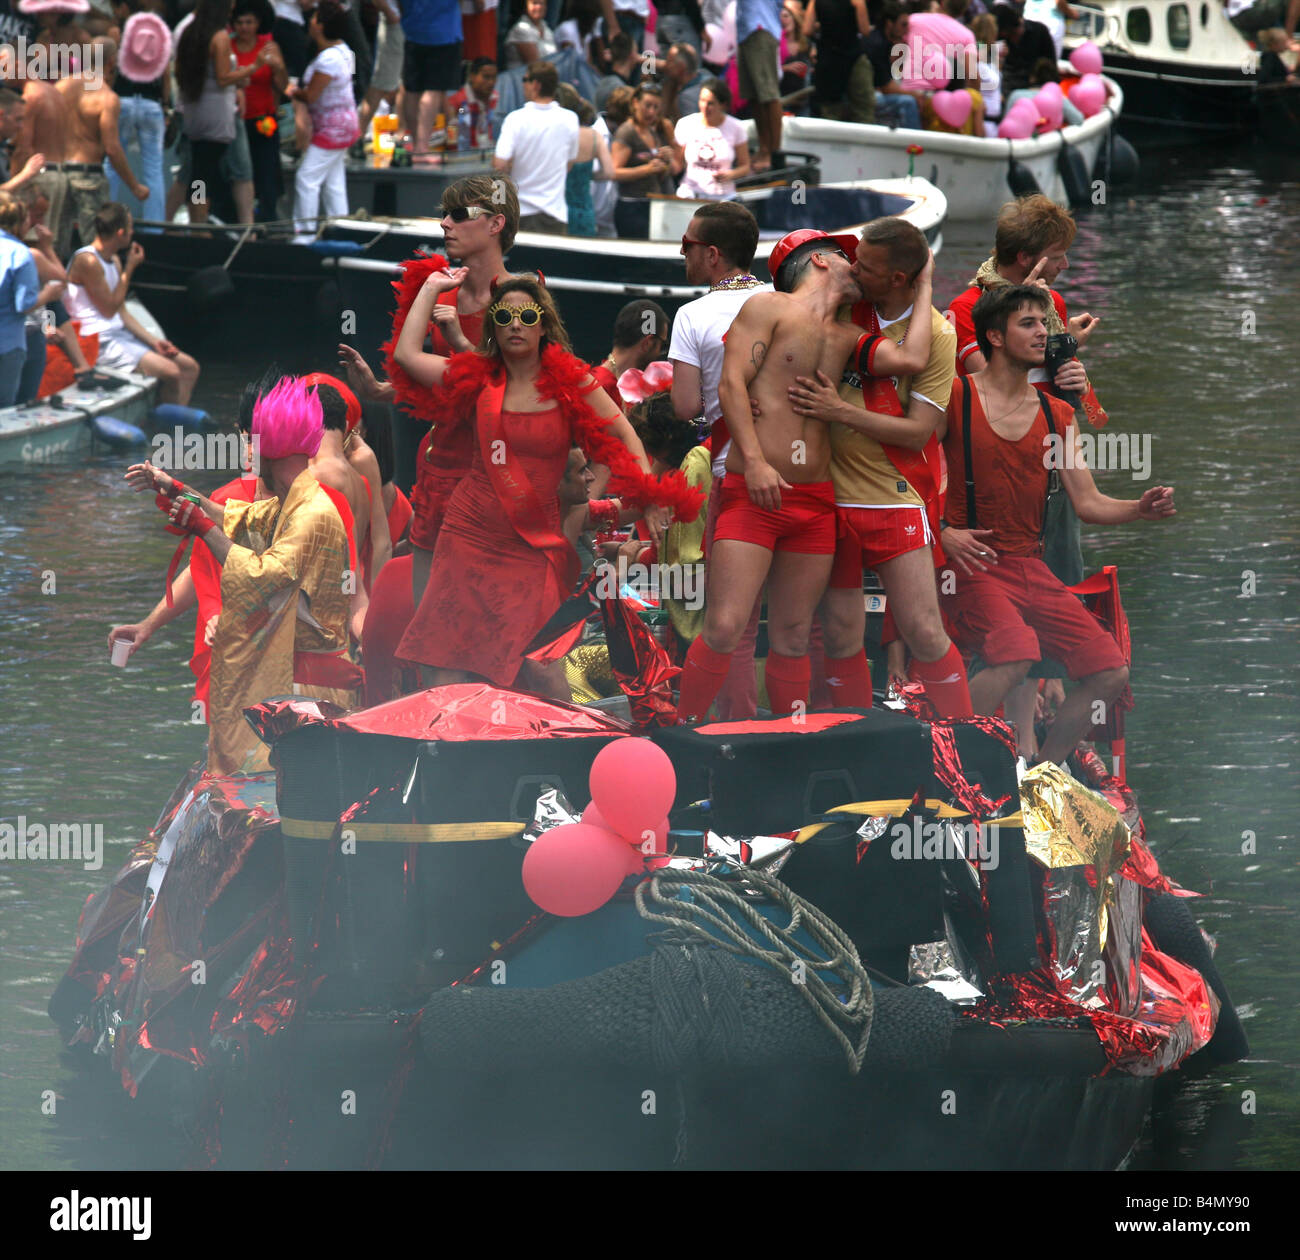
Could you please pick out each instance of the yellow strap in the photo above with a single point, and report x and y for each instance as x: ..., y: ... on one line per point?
x: 402, y: 833
x: 897, y: 809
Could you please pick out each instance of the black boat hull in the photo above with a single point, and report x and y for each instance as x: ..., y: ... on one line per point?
x: 1173, y: 104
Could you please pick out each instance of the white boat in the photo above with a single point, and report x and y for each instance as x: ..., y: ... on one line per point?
x: 53, y: 428
x: 1188, y: 74
x: 976, y: 174
x: 593, y: 277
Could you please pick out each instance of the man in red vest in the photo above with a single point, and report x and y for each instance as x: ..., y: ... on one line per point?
x: 1006, y: 604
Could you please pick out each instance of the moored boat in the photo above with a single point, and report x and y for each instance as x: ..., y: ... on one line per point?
x: 976, y: 174
x: 190, y: 274
x: 1187, y: 73
x: 593, y: 277
x: 65, y: 423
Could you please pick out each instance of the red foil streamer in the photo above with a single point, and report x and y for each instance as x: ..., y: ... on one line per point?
x: 640, y: 665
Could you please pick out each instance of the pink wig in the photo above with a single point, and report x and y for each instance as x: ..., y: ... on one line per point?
x: 287, y: 421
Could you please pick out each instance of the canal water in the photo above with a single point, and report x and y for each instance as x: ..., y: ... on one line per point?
x: 1195, y: 274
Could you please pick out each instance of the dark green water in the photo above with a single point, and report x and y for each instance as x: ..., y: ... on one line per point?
x: 1209, y: 245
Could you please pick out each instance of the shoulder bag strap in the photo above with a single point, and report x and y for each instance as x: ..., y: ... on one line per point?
x: 971, y: 522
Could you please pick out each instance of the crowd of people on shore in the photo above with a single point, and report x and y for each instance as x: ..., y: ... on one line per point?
x: 829, y: 422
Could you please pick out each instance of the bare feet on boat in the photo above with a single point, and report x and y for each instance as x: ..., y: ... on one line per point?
x: 762, y: 162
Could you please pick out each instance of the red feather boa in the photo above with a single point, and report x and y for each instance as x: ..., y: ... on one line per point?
x: 416, y: 399
x: 561, y: 380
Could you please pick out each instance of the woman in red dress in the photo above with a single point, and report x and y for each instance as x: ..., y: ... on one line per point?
x: 502, y: 567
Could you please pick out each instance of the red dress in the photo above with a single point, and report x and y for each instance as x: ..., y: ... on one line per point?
x: 489, y: 590
x: 446, y: 452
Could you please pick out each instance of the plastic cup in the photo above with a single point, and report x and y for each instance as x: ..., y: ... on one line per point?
x: 121, y: 652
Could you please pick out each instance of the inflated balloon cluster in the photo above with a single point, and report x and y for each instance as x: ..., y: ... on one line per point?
x: 1045, y: 111
x: 576, y: 867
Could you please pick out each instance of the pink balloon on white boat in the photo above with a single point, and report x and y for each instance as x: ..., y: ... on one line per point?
x: 953, y: 108
x: 1086, y: 59
x: 1018, y: 122
x: 1050, y: 107
x: 1088, y: 96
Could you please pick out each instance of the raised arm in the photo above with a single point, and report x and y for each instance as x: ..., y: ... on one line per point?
x: 409, y: 353
x: 89, y: 273
x: 911, y: 356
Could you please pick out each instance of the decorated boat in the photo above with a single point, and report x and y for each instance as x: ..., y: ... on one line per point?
x: 859, y: 939
x: 976, y: 174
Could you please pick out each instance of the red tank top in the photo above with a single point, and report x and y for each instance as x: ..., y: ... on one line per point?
x: 259, y: 93
x: 1010, y: 477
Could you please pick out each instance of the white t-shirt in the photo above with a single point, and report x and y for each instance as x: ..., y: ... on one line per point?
x: 290, y: 10
x: 540, y: 141
x: 708, y: 150
x: 698, y: 329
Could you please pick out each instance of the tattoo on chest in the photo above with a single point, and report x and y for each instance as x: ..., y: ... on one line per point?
x: 758, y: 353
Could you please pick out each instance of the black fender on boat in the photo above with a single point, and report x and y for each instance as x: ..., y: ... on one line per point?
x: 1020, y: 180
x: 1176, y: 933
x: 1118, y: 162
x: 1074, y: 175
x: 208, y: 286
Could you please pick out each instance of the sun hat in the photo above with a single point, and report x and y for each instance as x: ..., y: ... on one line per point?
x: 53, y: 6
x: 146, y: 48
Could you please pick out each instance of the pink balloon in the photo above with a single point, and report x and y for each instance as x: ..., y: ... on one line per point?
x: 953, y: 108
x: 1052, y: 88
x: 574, y: 868
x: 633, y: 784
x: 1050, y: 108
x: 1086, y: 59
x: 1017, y: 123
x: 594, y: 818
x: 1088, y: 96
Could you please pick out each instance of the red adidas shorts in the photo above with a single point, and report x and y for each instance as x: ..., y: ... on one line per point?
x: 804, y: 524
x: 870, y: 536
x: 1018, y: 611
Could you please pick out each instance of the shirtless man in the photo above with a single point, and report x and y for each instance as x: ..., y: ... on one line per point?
x: 94, y: 109
x: 44, y: 134
x: 776, y: 523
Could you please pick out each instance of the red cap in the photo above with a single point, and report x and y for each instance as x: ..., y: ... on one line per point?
x: 349, y: 398
x: 791, y: 241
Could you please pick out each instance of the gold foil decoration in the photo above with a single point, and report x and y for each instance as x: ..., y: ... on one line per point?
x: 1082, y: 841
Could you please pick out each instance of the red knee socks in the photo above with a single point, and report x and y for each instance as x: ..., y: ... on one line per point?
x: 945, y: 683
x: 701, y: 680
x: 787, y: 682
x: 849, y: 681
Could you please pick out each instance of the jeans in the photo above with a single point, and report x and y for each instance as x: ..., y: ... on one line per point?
x: 11, y: 375
x: 141, y: 127
x: 897, y: 109
x: 34, y: 365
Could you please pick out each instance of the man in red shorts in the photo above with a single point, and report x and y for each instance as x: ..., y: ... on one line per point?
x: 1007, y: 605
x: 885, y: 470
x: 776, y: 523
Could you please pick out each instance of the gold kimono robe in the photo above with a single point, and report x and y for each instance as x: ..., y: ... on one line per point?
x: 282, y: 592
